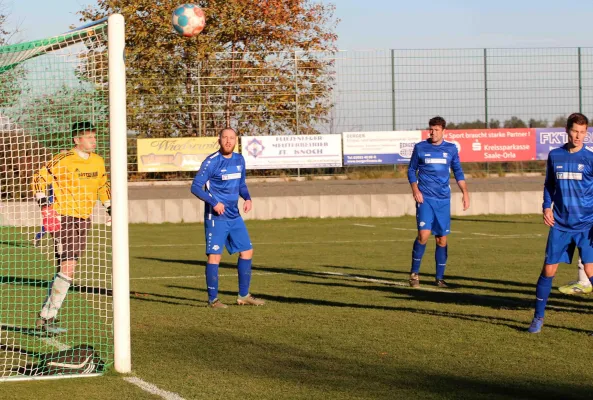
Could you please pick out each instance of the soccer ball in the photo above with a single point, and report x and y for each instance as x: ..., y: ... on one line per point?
x: 188, y: 20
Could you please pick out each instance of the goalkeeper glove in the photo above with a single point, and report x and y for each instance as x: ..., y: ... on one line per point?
x: 108, y: 220
x: 51, y: 219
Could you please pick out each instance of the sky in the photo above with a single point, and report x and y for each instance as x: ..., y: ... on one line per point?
x: 394, y: 24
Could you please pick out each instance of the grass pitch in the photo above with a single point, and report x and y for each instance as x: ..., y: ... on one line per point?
x: 340, y: 320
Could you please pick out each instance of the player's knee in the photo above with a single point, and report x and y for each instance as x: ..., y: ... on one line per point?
x: 441, y: 240
x: 214, y: 258
x: 423, y: 237
x: 246, y: 255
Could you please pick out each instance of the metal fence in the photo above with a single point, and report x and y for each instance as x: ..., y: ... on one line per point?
x: 300, y: 93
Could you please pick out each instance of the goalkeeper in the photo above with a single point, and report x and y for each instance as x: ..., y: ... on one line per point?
x: 78, y: 179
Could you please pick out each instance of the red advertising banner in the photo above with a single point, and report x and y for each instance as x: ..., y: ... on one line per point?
x: 491, y: 145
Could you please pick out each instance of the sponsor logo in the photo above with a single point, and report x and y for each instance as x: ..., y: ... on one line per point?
x: 255, y: 148
x: 230, y: 177
x: 476, y: 146
x: 86, y: 175
x: 559, y: 167
x: 223, y: 170
x: 436, y: 161
x: 406, y: 149
x: 573, y: 176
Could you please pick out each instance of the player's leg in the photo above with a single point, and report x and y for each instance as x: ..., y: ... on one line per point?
x: 424, y: 219
x: 70, y: 242
x: 585, y: 246
x: 440, y: 258
x: 559, y: 248
x: 239, y: 241
x: 216, y: 233
x: 440, y: 229
x: 582, y: 285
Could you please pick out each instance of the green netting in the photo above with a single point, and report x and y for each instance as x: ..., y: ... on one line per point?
x: 46, y: 86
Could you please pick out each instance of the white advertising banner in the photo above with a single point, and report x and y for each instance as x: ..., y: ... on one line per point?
x: 292, y: 151
x: 391, y: 147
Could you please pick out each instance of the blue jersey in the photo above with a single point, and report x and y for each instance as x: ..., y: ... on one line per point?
x: 221, y: 180
x: 569, y: 186
x: 430, y: 166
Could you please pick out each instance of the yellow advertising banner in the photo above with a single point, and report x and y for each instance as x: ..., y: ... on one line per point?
x: 180, y: 154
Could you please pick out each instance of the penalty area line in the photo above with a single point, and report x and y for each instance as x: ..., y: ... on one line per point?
x: 382, y: 281
x: 152, y: 389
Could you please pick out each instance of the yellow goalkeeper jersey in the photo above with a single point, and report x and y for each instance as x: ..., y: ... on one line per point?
x: 77, y: 183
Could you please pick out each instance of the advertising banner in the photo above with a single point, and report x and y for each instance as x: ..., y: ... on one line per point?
x: 490, y: 145
x: 551, y: 138
x: 292, y: 151
x: 372, y: 148
x: 174, y: 154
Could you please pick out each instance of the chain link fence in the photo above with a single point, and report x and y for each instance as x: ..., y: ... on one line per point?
x: 346, y: 91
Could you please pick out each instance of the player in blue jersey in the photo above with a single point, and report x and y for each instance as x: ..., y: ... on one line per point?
x: 567, y: 210
x: 219, y: 183
x: 428, y: 174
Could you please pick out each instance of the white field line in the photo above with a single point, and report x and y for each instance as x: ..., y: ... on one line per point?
x: 365, y: 226
x: 382, y: 281
x: 152, y: 389
x: 200, y: 276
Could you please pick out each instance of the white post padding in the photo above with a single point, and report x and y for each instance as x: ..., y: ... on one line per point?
x: 119, y: 194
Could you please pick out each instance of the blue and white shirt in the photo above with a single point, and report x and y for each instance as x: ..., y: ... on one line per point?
x: 569, y: 186
x: 221, y: 180
x: 430, y: 166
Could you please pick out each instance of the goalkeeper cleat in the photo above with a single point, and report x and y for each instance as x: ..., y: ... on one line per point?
x: 536, y: 325
x: 216, y: 304
x: 414, y: 280
x: 575, y: 288
x: 49, y: 326
x: 441, y: 283
x: 249, y: 300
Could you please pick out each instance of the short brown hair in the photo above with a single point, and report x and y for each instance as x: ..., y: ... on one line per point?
x: 438, y: 121
x: 576, y: 118
x: 226, y: 128
x: 78, y: 128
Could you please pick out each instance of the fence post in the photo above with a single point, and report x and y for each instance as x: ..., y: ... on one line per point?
x: 296, y: 91
x: 487, y: 123
x: 580, y: 82
x: 392, y: 89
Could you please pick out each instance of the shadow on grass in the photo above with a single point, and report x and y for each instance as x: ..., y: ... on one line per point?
x: 321, y: 369
x: 18, y: 280
x: 500, y: 221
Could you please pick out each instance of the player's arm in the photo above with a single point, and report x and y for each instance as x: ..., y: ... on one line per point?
x: 104, y: 192
x: 197, y: 187
x: 39, y: 184
x: 413, y: 175
x: 549, y: 189
x: 50, y: 219
x: 243, y: 191
x: 460, y: 178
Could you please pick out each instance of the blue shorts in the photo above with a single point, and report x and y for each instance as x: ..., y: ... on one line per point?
x: 231, y: 234
x: 434, y: 215
x: 561, y: 245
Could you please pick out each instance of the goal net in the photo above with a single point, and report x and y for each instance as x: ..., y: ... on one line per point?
x: 56, y: 318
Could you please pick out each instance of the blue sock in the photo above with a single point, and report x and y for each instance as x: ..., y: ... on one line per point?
x: 440, y: 256
x: 591, y: 280
x: 542, y: 292
x: 244, y: 268
x: 212, y: 281
x: 417, y: 253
